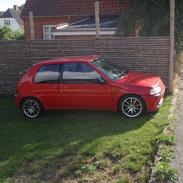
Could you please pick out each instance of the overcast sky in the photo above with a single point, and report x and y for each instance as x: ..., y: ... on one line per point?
x: 5, y: 4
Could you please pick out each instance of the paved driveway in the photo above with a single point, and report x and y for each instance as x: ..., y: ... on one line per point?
x: 178, y: 160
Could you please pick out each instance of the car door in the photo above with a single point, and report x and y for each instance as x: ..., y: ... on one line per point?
x: 84, y: 88
x: 47, y: 84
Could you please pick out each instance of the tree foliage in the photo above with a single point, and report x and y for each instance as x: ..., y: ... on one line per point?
x: 179, y: 24
x: 7, y: 34
x: 152, y: 17
x: 21, y: 7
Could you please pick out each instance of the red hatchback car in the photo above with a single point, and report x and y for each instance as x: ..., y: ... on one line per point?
x: 90, y: 83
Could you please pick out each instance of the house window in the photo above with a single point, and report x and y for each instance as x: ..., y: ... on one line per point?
x: 7, y: 22
x: 47, y: 32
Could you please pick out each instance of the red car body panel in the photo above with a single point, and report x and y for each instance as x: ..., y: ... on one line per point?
x: 89, y: 96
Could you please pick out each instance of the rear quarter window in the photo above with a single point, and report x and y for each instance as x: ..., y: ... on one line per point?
x: 48, y: 74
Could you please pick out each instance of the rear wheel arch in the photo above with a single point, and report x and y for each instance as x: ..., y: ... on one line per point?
x: 29, y: 97
x: 31, y: 107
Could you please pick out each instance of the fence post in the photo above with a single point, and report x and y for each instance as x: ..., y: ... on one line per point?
x: 31, y: 23
x: 97, y: 19
x: 172, y: 44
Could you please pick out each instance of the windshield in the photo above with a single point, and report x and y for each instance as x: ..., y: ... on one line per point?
x: 111, y: 71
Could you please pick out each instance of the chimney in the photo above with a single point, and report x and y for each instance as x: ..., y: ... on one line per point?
x: 15, y: 7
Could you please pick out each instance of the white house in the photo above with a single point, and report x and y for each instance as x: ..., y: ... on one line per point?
x: 11, y: 18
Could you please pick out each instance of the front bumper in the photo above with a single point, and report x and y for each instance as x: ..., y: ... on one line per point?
x: 153, y: 103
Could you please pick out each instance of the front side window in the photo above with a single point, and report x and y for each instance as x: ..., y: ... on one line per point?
x: 48, y: 74
x: 111, y: 71
x: 79, y: 73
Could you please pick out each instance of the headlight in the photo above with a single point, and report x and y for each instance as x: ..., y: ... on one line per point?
x: 155, y: 91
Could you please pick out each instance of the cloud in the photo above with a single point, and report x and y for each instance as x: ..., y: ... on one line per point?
x: 9, y: 4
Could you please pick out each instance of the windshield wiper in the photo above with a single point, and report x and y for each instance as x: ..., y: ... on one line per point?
x: 121, y: 74
x: 124, y: 73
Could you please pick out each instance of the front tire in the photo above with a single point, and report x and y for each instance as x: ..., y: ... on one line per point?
x: 131, y: 106
x: 31, y: 108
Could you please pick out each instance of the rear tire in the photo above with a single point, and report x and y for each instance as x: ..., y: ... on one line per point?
x: 131, y: 106
x: 31, y: 108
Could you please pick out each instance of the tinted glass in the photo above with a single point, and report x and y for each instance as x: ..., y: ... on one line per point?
x: 48, y: 74
x: 79, y: 72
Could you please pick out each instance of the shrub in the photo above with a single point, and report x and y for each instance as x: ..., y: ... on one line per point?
x: 165, y: 173
x: 166, y: 139
x: 7, y: 34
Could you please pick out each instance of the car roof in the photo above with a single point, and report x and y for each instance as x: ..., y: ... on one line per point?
x: 86, y: 58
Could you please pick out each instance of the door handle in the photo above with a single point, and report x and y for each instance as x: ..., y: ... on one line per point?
x: 60, y: 90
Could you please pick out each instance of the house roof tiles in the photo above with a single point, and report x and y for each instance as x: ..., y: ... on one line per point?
x: 52, y: 8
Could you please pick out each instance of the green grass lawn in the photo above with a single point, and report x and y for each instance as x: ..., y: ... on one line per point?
x: 77, y: 146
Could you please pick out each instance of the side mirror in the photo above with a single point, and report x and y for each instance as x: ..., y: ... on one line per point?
x: 100, y: 81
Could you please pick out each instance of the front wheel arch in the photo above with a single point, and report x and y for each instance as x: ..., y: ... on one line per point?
x: 131, y: 95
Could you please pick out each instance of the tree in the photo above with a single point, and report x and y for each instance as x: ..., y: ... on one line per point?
x: 179, y: 24
x: 7, y: 34
x: 19, y: 35
x: 152, y: 18
x: 21, y: 7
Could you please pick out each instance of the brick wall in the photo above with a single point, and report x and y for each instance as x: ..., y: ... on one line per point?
x: 149, y: 55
